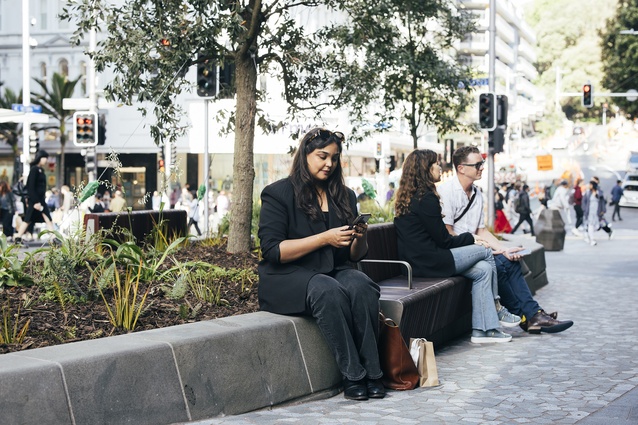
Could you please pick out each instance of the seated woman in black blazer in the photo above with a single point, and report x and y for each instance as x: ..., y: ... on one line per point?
x: 425, y: 243
x: 307, y: 244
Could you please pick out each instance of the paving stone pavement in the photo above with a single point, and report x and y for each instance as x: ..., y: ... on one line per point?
x: 586, y: 375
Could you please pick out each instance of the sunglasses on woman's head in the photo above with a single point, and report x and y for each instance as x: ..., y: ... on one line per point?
x: 326, y: 135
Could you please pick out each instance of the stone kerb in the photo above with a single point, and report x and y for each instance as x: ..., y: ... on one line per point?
x: 188, y: 372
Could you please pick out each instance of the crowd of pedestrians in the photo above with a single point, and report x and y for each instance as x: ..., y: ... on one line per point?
x: 582, y: 207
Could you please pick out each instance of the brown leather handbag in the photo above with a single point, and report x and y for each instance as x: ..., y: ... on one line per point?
x: 399, y: 370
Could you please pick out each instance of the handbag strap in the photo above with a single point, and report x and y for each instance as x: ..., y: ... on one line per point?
x: 469, y: 204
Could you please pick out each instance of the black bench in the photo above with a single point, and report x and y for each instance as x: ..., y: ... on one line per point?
x: 139, y: 222
x: 439, y: 309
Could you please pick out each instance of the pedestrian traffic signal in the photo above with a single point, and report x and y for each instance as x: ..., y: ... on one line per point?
x: 487, y: 111
x: 34, y: 142
x: 501, y: 115
x: 497, y: 140
x: 90, y: 161
x: 206, y: 76
x: 101, y: 130
x: 588, y: 95
x: 85, y: 129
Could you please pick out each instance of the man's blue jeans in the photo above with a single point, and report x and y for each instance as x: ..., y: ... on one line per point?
x: 477, y: 263
x: 513, y: 289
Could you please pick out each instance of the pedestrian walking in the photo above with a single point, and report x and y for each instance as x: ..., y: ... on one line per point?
x: 7, y: 209
x: 524, y: 210
x: 37, y: 209
x: 594, y: 211
x: 578, y: 206
x: 616, y: 193
x: 193, y: 213
x: 604, y: 224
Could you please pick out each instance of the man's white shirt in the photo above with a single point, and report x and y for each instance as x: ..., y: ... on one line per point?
x: 454, y: 200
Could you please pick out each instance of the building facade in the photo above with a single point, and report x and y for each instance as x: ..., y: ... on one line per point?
x: 127, y: 132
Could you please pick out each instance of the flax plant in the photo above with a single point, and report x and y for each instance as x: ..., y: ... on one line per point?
x: 128, y: 303
x: 9, y: 332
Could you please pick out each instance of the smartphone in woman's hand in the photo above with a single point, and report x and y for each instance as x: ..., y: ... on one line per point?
x: 362, y: 218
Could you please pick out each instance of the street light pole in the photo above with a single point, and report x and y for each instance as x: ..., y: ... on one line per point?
x: 26, y: 89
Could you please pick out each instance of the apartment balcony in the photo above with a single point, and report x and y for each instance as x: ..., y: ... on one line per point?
x: 504, y: 52
x: 526, y: 69
x: 527, y: 51
x: 505, y: 31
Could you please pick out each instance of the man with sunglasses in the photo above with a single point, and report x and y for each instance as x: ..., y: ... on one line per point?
x: 462, y: 206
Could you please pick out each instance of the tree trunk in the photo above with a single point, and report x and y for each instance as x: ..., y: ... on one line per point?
x: 243, y: 167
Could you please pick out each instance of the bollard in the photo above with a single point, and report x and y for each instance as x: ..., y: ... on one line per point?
x: 550, y: 230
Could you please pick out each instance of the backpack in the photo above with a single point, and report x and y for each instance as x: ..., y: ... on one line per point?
x: 19, y: 190
x: 517, y: 204
x: 570, y: 198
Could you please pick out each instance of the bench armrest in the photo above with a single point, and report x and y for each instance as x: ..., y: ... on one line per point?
x: 404, y: 263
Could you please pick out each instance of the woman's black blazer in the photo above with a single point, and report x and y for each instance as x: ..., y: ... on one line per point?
x: 282, y: 286
x: 423, y: 239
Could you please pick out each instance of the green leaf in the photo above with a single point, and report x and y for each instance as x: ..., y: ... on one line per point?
x: 89, y: 190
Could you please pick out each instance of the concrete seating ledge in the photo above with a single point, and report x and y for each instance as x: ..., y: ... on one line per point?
x: 181, y: 373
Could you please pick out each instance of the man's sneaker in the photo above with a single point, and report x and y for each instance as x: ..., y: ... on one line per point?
x: 492, y: 335
x: 507, y: 319
x: 611, y: 234
x: 576, y: 232
x: 593, y: 243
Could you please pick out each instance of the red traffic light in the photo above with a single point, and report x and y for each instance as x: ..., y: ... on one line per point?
x: 84, y: 130
x: 588, y: 95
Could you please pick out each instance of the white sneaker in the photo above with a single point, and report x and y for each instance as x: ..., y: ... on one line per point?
x: 593, y: 243
x: 576, y: 232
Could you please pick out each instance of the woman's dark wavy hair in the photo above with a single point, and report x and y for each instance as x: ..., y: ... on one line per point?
x: 304, y: 184
x: 416, y: 179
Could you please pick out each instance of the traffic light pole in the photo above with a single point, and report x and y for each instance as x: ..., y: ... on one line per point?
x: 490, y: 151
x: 91, y: 152
x: 206, y: 168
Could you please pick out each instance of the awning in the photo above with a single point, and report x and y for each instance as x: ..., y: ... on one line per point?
x: 8, y: 115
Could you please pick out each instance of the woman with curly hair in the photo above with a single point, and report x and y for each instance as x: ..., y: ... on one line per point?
x: 425, y: 243
x: 308, y: 244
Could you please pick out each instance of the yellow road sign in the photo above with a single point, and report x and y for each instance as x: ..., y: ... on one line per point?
x: 544, y: 162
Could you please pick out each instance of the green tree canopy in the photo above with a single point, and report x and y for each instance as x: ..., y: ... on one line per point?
x: 396, y: 58
x: 149, y: 46
x: 620, y: 55
x: 567, y: 33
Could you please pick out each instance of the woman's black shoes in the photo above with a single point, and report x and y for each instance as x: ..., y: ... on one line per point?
x: 375, y: 388
x: 362, y: 389
x: 355, y: 390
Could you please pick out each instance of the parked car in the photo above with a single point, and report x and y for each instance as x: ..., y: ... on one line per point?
x: 630, y: 190
x: 632, y: 162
